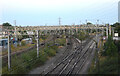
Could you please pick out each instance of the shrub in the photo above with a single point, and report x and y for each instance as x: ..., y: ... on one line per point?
x: 18, y: 45
x: 23, y: 43
x: 12, y: 47
x: 110, y: 48
x: 28, y: 60
x: 50, y: 52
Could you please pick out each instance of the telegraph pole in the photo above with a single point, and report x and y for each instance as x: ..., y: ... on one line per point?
x: 73, y: 28
x: 59, y: 21
x: 86, y: 23
x: 76, y: 29
x: 15, y: 33
x: 98, y: 25
x: 9, y: 52
x: 110, y: 30
x: 97, y: 41
x: 103, y: 30
x: 79, y: 26
x: 107, y: 30
x: 37, y: 43
x: 15, y: 30
x: 86, y: 27
x: 59, y: 24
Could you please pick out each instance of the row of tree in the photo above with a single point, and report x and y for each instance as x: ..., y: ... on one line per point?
x: 6, y: 24
x: 117, y: 27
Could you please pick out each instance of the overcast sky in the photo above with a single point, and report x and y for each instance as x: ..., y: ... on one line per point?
x: 41, y: 12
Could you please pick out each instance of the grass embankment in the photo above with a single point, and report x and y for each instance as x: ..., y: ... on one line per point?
x: 108, y: 65
x: 108, y: 60
x: 18, y: 48
x: 22, y: 46
x: 27, y: 61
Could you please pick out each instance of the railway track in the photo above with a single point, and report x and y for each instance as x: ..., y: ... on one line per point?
x: 80, y: 61
x: 5, y: 57
x: 74, y: 59
x: 63, y: 56
x: 68, y: 50
x: 63, y: 59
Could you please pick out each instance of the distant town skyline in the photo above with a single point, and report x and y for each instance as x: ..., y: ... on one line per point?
x: 47, y: 12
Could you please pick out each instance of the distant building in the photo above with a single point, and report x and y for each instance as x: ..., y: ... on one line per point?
x: 3, y: 32
x: 119, y: 11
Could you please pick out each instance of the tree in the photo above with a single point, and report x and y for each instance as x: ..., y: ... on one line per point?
x: 6, y: 24
x: 82, y: 36
x: 116, y: 24
x: 110, y: 47
x: 117, y: 27
x: 89, y: 23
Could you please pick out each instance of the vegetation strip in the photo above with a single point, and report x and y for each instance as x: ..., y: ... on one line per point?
x: 27, y: 61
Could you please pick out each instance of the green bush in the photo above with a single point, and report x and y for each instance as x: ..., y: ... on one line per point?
x: 50, y: 52
x: 61, y: 41
x: 18, y: 45
x: 20, y: 70
x: 107, y: 66
x: 43, y: 58
x: 23, y: 43
x: 54, y: 47
x: 12, y: 46
x: 110, y: 48
x: 108, y: 60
